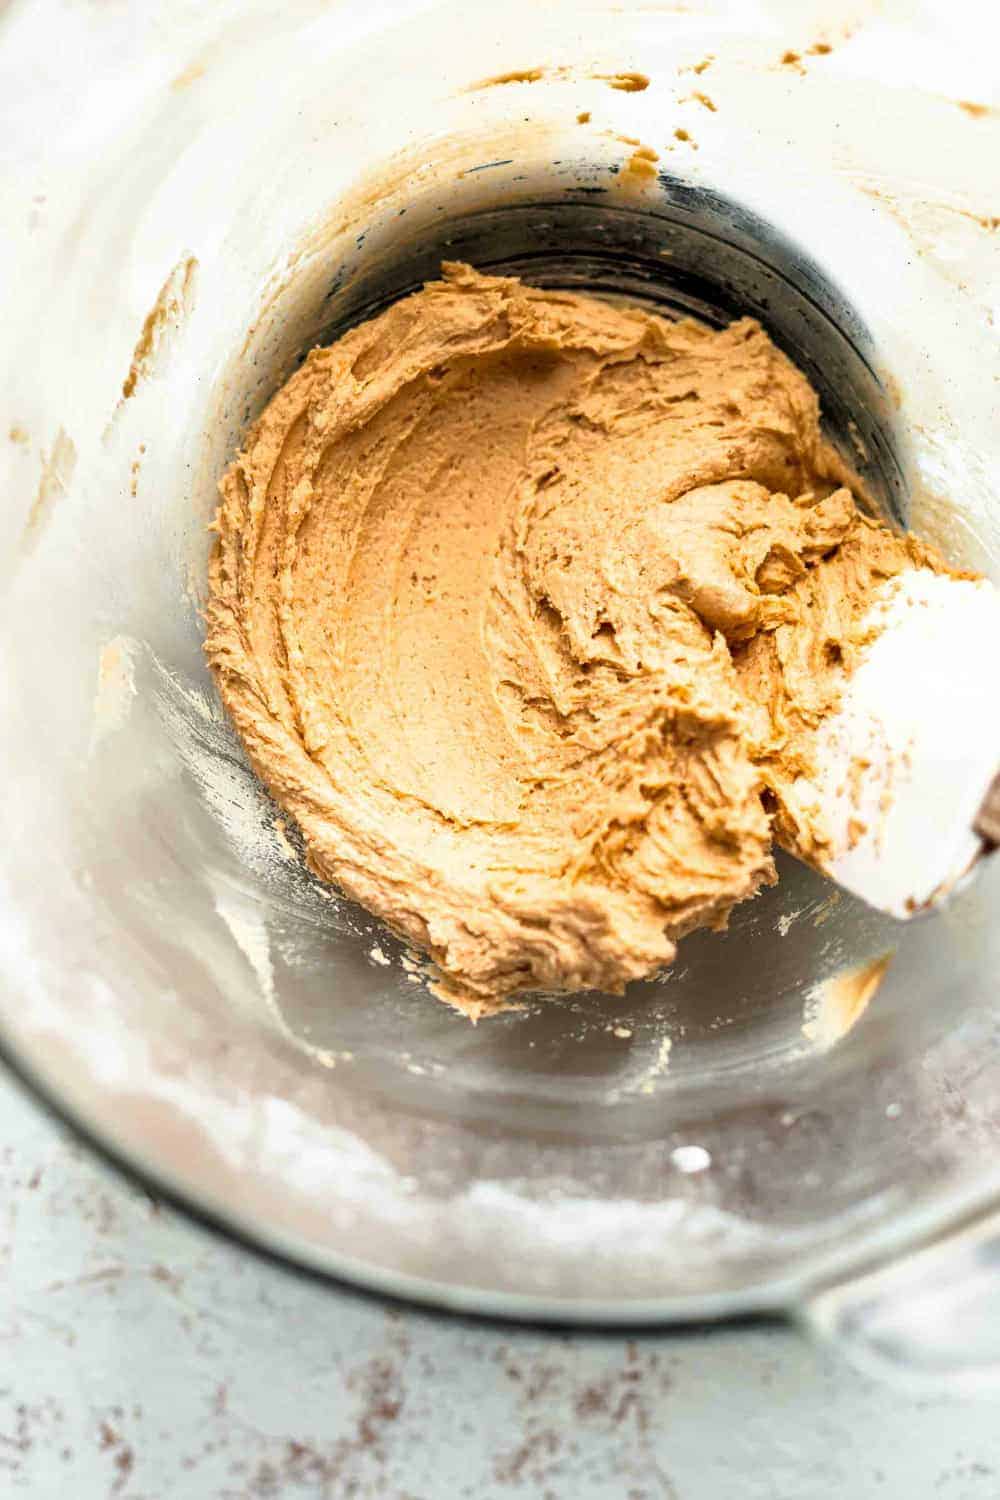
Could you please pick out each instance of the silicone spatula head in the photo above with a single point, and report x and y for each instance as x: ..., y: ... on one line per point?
x: 906, y: 779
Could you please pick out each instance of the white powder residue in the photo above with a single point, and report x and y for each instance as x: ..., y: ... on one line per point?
x: 690, y: 1159
x: 644, y: 1072
x: 205, y: 743
x: 325, y: 1057
x: 249, y: 932
x: 416, y: 973
x: 562, y: 1222
x: 659, y: 1067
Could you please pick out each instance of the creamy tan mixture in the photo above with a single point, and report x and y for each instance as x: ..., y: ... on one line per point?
x: 525, y: 606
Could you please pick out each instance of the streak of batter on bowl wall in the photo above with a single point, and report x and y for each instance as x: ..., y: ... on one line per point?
x: 527, y: 607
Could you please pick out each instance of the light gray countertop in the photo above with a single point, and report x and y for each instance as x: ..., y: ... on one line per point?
x: 143, y: 1358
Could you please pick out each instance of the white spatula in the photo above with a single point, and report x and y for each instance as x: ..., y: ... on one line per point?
x: 908, y: 778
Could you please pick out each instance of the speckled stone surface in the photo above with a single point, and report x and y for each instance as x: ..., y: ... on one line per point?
x: 143, y: 1358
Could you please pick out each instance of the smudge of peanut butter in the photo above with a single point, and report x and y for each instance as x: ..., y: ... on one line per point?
x: 173, y: 303
x: 836, y: 1005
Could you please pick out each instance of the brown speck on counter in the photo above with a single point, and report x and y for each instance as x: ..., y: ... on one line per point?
x: 820, y: 49
x: 697, y: 97
x: 109, y: 1440
x: 977, y: 111
x: 627, y: 1399
x: 107, y: 1276
x: 18, y: 435
x: 583, y: 118
x: 626, y: 83
x: 790, y: 59
x: 528, y: 1460
x: 680, y: 134
x: 339, y: 1468
x: 592, y: 1401
x: 124, y: 1464
x: 167, y: 1277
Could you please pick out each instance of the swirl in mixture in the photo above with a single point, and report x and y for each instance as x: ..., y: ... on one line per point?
x: 525, y: 607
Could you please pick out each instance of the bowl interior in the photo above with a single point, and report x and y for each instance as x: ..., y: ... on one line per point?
x: 183, y: 985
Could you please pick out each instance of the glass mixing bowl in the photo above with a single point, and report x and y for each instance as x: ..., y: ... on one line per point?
x: 192, y: 201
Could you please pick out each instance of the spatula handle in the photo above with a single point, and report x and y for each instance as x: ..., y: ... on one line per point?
x: 930, y: 1322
